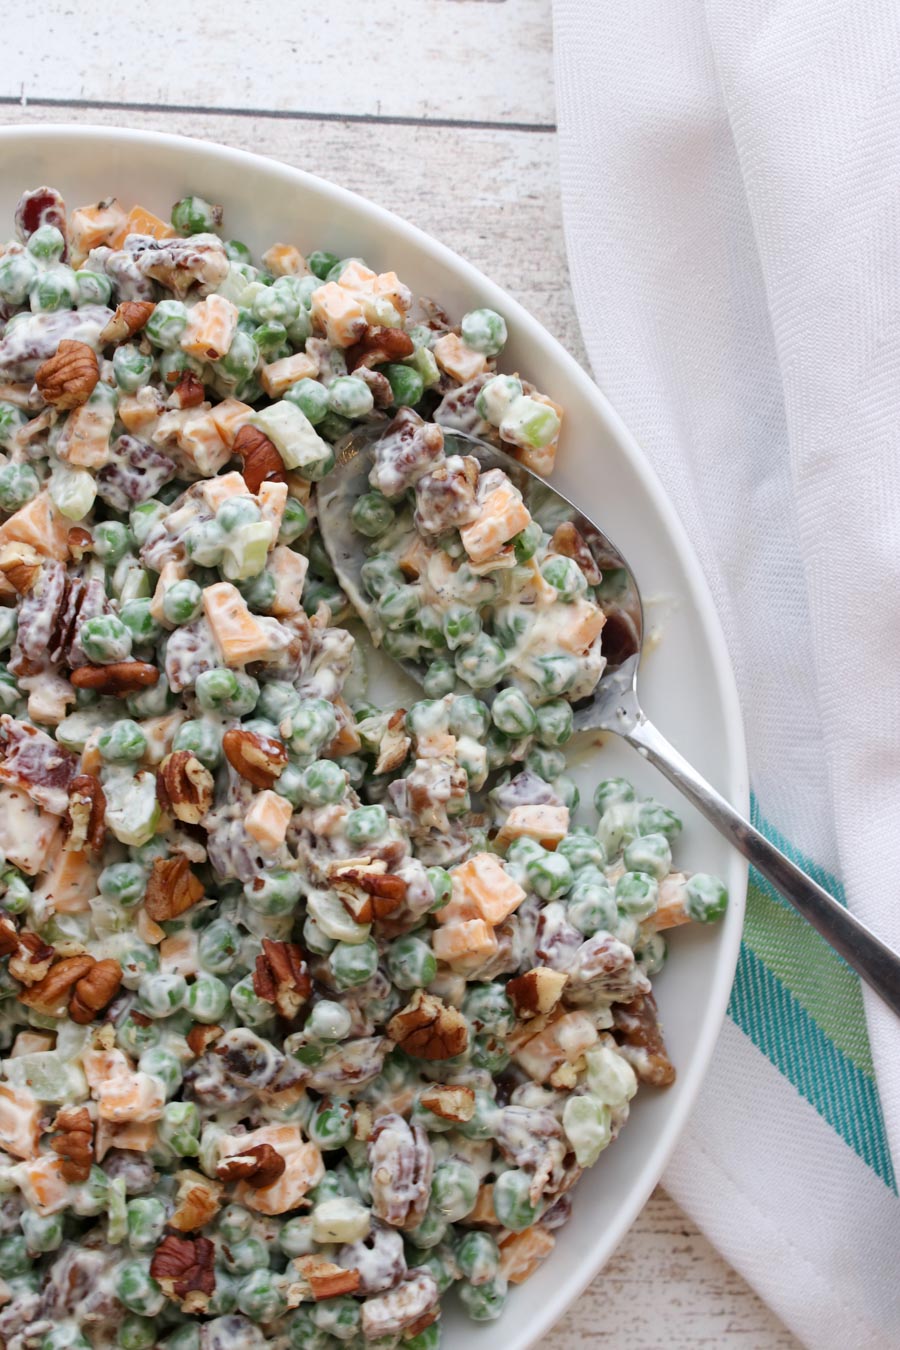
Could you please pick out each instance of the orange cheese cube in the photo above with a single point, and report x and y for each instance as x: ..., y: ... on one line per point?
x: 211, y: 326
x: 336, y: 312
x: 503, y: 515
x: 357, y: 277
x: 466, y: 944
x: 284, y: 260
x: 38, y: 523
x: 239, y: 635
x: 482, y: 882
x: 148, y: 930
x: 137, y: 412
x: 172, y: 572
x: 43, y: 1186
x: 563, y: 1041
x: 139, y: 1136
x: 671, y: 911
x: 85, y: 437
x: 141, y: 221
x: 70, y: 884
x: 91, y: 226
x: 32, y: 1043
x: 415, y: 558
x: 579, y: 625
x: 458, y: 360
x: 541, y: 459
x: 272, y: 498
x: 303, y: 1168
x: 522, y: 1253
x: 178, y: 954
x: 131, y: 1096
x: 215, y: 491
x: 547, y: 824
x: 20, y: 1113
x: 280, y: 375
x: 289, y: 570
x: 267, y: 819
x: 229, y: 416
x: 202, y: 444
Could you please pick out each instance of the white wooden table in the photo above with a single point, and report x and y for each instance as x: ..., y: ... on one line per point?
x: 443, y: 111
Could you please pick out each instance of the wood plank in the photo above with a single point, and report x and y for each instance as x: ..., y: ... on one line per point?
x: 421, y: 59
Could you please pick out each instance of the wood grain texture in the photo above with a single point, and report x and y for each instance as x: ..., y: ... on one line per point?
x: 666, y: 1286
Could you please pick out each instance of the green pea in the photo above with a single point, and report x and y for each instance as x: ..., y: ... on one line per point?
x: 565, y: 576
x: 649, y: 853
x: 122, y: 743
x: 247, y: 1255
x: 237, y: 252
x: 350, y: 396
x: 250, y: 1008
x: 340, y: 1317
x: 8, y: 627
x: 19, y: 484
x: 136, y: 1333
x: 186, y: 1336
x: 313, y: 726
x: 323, y: 783
x: 213, y: 688
x: 137, y: 1290
x: 411, y: 962
x: 484, y: 330
x: 203, y: 739
x: 555, y: 723
x: 18, y: 273
x: 396, y: 608
x: 581, y: 849
x: 166, y: 324
x: 557, y: 672
x: 484, y: 1302
x: 245, y: 697
x: 105, y: 639
x: 223, y: 1299
x: 137, y: 618
x: 183, y: 602
x: 260, y: 1298
x: 94, y: 288
x: 14, y: 1258
x: 512, y: 1202
x: 407, y: 385
x: 137, y: 961
x: 380, y: 575
x: 429, y: 1338
x: 353, y: 963
x: 706, y: 899
x: 567, y: 791
x: 366, y: 825
x: 610, y: 792
x: 195, y: 215
x: 440, y: 1262
x: 54, y: 290
x: 549, y: 875
x: 273, y: 892
x: 513, y: 714
x: 528, y: 541
x: 162, y: 994
x: 321, y: 262
x: 328, y: 1021
x: 207, y: 999
x: 439, y: 679
x: 131, y: 368
x: 432, y: 1230
x: 123, y: 882
x: 303, y: 1334
x: 592, y: 907
x: 454, y: 1189
x: 482, y: 663
x: 490, y: 1053
x: 469, y: 717
x: 294, y: 522
x: 654, y: 818
x: 461, y: 626
x: 234, y: 1223
x: 442, y: 886
x: 650, y: 951
x: 295, y: 1237
x: 401, y: 645
x: 510, y: 623
x: 65, y: 1337
x: 134, y: 1037
x: 331, y: 1123
x: 372, y: 514
x: 478, y: 1257
x: 311, y: 398
x: 47, y: 243
x: 219, y: 946
x: 487, y: 1008
x: 42, y: 1233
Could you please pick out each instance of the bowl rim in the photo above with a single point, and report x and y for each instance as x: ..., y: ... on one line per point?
x: 737, y: 790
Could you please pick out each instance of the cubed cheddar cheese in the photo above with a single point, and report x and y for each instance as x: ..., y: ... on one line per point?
x: 415, y: 557
x: 38, y: 523
x: 141, y: 221
x: 671, y: 911
x: 280, y: 375
x: 20, y: 1113
x: 202, y: 444
x: 91, y: 226
x: 84, y: 440
x: 289, y: 570
x: 579, y: 625
x: 211, y: 327
x: 303, y: 1167
x: 541, y: 459
x: 70, y: 884
x: 215, y: 491
x: 284, y: 260
x: 32, y: 1043
x: 458, y: 360
x: 267, y: 819
x: 160, y: 733
x: 172, y: 571
x: 522, y: 1253
x: 43, y: 1186
x: 465, y: 944
x: 502, y: 516
x: 239, y: 635
x: 357, y: 277
x: 373, y: 289
x: 482, y: 882
x: 27, y: 834
x: 229, y: 416
x: 271, y: 499
x: 546, y: 824
x: 336, y: 312
x: 178, y: 954
x: 136, y: 1136
x: 563, y: 1041
x: 141, y: 411
x: 134, y: 1096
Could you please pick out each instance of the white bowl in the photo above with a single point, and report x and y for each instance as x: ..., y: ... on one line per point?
x: 686, y: 684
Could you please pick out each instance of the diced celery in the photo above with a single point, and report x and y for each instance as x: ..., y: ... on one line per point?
x: 246, y: 549
x: 132, y: 809
x: 294, y: 437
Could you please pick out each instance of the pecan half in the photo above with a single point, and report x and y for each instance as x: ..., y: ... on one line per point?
x: 21, y: 565
x: 429, y: 1030
x: 86, y: 817
x: 325, y: 1279
x: 402, y: 1166
x: 188, y: 392
x: 262, y: 462
x: 50, y: 995
x: 198, y: 1200
x: 67, y: 378
x: 201, y: 1036
x: 367, y: 892
x: 450, y: 1103
x: 184, y: 787
x: 172, y: 888
x: 95, y: 990
x: 118, y: 678
x: 80, y: 541
x: 537, y: 992
x: 74, y: 1142
x: 379, y: 345
x: 129, y: 318
x: 184, y: 1269
x: 260, y: 759
x: 259, y: 1166
x: 32, y: 959
x: 637, y: 1030
x: 570, y: 542
x: 281, y: 976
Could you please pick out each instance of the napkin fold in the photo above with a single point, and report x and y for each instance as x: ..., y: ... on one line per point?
x: 732, y: 205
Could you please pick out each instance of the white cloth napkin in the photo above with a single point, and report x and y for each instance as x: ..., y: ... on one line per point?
x: 732, y: 198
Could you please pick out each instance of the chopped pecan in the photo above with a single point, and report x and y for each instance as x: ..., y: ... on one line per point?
x: 172, y: 888
x: 21, y: 565
x: 184, y: 787
x: 33, y: 958
x: 198, y: 1200
x: 259, y: 1166
x: 87, y: 814
x: 129, y: 318
x: 184, y: 1269
x: 9, y: 937
x: 80, y: 541
x: 379, y: 345
x: 400, y: 1308
x: 262, y: 462
x: 95, y: 990
x: 68, y: 378
x: 201, y: 1036
x: 427, y: 1029
x: 402, y: 1167
x: 367, y: 891
x: 188, y: 392
x: 394, y: 743
x: 74, y: 1142
x: 570, y: 542
x: 450, y: 1103
x: 118, y: 678
x: 325, y: 1279
x: 260, y: 759
x: 537, y: 992
x: 281, y: 976
x: 637, y: 1030
x: 50, y: 995
x: 382, y: 393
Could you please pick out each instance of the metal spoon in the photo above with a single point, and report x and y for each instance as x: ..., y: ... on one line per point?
x: 614, y: 704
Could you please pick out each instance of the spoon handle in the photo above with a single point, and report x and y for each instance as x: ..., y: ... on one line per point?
x: 860, y: 948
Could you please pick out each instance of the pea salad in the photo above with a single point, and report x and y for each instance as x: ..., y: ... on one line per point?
x: 312, y: 1010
